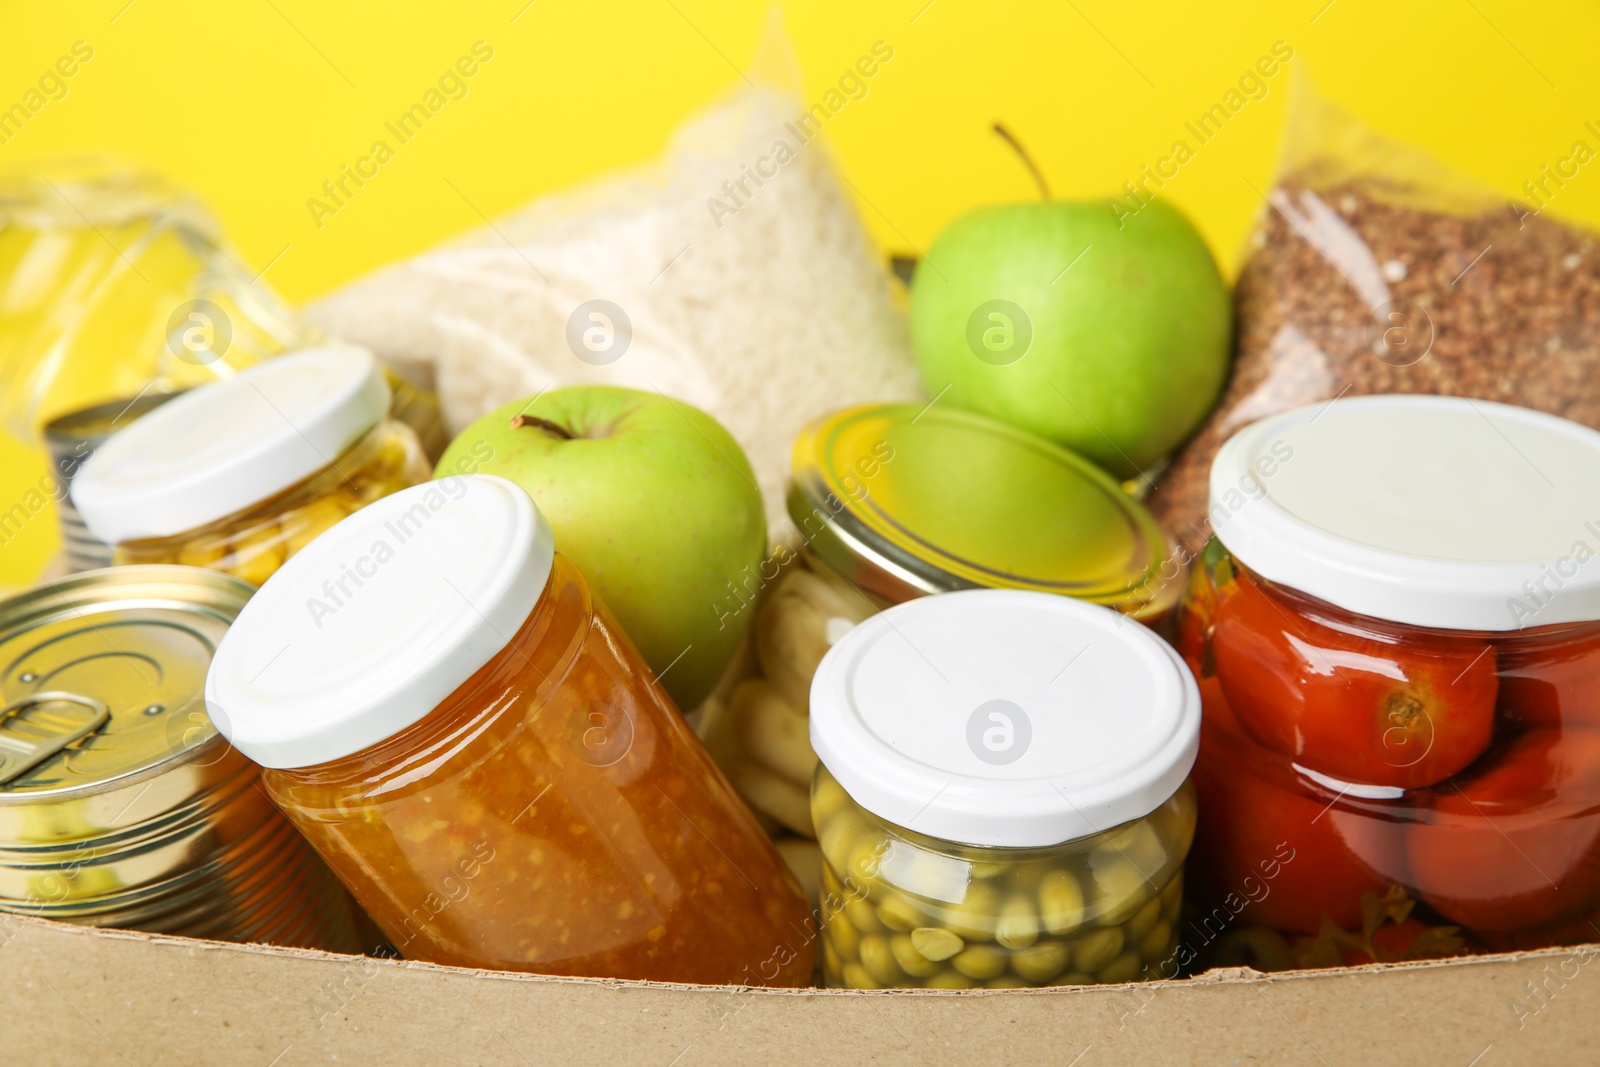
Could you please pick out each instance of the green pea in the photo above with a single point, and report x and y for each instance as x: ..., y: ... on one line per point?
x: 934, y: 943
x: 1019, y: 925
x: 844, y: 935
x: 1144, y: 920
x: 865, y: 857
x: 1157, y: 943
x: 827, y: 797
x: 910, y: 960
x: 974, y: 918
x: 899, y: 913
x: 1042, y: 962
x: 1120, y: 890
x: 1095, y: 949
x: 1074, y: 978
x: 1125, y: 968
x: 1139, y: 844
x: 856, y: 977
x: 979, y: 961
x: 838, y: 836
x: 1060, y: 902
x: 950, y: 980
x: 1172, y: 898
x: 878, y: 959
x: 863, y: 916
x: 1006, y: 981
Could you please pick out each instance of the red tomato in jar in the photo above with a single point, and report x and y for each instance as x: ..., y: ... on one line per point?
x: 1580, y: 931
x: 1517, y: 845
x: 1353, y: 707
x: 1552, y: 679
x: 1269, y: 853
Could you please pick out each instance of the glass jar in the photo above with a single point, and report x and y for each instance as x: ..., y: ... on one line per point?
x: 239, y: 475
x: 486, y: 761
x: 1397, y: 636
x: 891, y: 502
x: 1002, y: 797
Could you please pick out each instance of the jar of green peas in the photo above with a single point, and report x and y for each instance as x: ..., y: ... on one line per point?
x: 1002, y: 798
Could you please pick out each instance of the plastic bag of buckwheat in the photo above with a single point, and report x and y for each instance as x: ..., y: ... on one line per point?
x: 734, y: 274
x: 1374, y: 268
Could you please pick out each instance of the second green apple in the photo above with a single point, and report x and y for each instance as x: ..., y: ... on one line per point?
x: 652, y: 499
x: 1107, y: 335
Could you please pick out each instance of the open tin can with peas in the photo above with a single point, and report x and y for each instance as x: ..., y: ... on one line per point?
x: 1002, y: 798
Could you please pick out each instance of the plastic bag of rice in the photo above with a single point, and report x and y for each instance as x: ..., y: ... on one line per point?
x: 735, y: 275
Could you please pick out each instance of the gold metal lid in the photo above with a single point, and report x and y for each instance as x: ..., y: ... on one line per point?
x: 905, y: 501
x: 102, y: 678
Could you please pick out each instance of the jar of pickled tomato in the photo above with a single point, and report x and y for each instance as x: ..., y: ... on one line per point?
x: 241, y: 474
x: 1002, y: 799
x: 456, y: 723
x: 1396, y: 631
x: 895, y: 501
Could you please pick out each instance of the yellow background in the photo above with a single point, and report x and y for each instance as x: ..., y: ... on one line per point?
x: 254, y: 103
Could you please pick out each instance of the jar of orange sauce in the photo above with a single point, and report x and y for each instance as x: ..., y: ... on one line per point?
x: 458, y: 725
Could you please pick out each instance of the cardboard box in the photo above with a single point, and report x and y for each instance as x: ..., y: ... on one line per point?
x: 78, y: 996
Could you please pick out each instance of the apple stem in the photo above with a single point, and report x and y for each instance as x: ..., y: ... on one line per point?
x: 556, y: 429
x: 1027, y: 160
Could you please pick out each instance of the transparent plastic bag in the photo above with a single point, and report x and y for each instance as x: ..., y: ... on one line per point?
x: 734, y: 274
x: 1376, y: 269
x: 114, y: 282
x: 116, y: 291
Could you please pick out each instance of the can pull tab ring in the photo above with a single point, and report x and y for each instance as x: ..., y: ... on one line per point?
x: 26, y: 742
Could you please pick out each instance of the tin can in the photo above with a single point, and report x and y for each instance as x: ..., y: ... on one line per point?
x: 71, y: 440
x: 120, y: 803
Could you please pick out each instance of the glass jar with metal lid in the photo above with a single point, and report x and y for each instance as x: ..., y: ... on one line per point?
x: 1397, y: 635
x: 891, y: 502
x: 1002, y: 795
x: 239, y: 475
x: 120, y: 805
x: 459, y: 726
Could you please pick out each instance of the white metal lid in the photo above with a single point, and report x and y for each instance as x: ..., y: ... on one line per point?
x: 368, y: 628
x: 222, y: 447
x: 1425, y: 510
x: 1004, y: 717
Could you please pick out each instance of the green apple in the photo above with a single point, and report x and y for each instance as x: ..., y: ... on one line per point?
x: 1108, y: 335
x: 655, y: 503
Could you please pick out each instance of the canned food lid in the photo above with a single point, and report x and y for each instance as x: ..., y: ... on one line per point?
x: 905, y: 500
x: 1424, y: 510
x: 91, y: 425
x: 102, y: 677
x: 1005, y: 718
x: 367, y: 629
x: 222, y: 447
